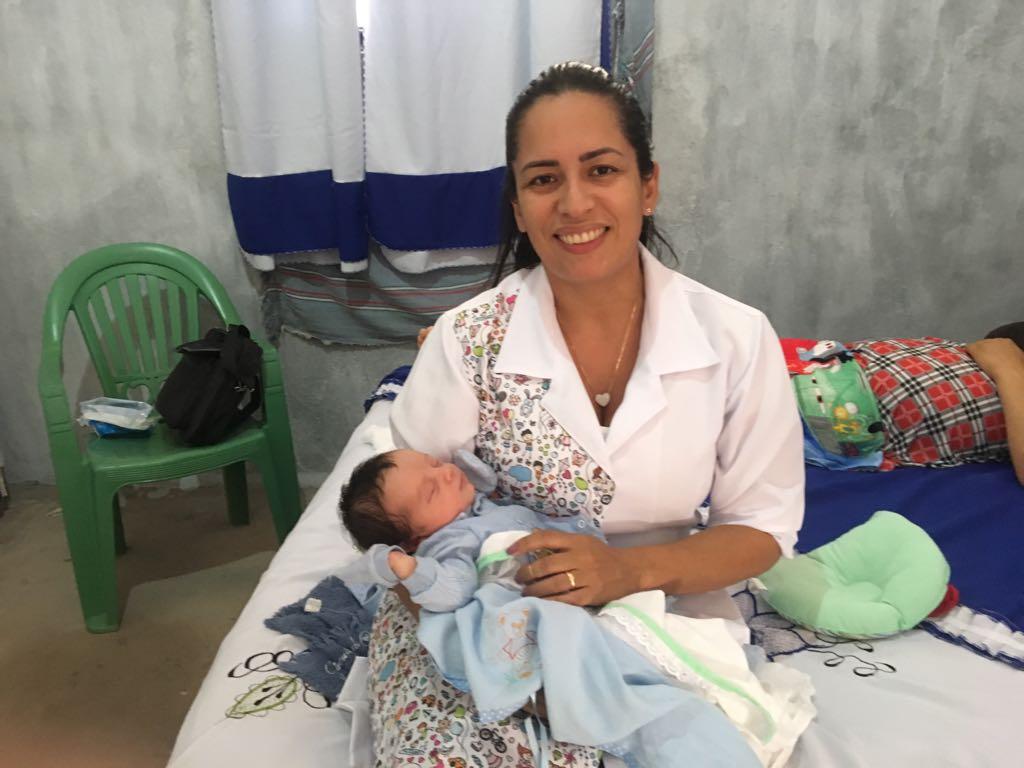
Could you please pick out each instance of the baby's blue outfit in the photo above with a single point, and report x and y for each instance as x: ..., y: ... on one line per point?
x: 489, y: 640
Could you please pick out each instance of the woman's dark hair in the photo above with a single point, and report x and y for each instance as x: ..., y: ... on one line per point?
x: 571, y: 76
x: 362, y: 509
x: 1013, y: 331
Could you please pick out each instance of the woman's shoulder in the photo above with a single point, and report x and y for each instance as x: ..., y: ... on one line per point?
x: 488, y: 311
x: 707, y: 302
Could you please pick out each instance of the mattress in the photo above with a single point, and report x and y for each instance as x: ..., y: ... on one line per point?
x: 916, y: 698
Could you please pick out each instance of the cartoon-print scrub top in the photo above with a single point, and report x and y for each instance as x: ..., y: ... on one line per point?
x: 708, y: 411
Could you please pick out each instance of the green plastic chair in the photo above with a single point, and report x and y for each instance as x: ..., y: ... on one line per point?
x: 135, y: 302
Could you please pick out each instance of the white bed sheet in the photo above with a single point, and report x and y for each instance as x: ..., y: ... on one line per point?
x: 303, y: 731
x: 939, y: 706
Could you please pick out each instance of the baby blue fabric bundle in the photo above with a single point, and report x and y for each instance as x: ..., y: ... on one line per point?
x: 503, y: 647
x: 336, y: 626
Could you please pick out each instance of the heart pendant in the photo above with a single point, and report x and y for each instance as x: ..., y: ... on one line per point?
x: 603, y: 399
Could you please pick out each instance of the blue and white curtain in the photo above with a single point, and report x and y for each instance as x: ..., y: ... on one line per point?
x: 292, y: 115
x: 335, y: 138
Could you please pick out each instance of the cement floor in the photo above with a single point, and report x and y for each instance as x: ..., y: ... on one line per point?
x: 70, y: 698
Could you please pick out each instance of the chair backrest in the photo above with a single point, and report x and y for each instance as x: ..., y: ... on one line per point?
x: 134, y: 302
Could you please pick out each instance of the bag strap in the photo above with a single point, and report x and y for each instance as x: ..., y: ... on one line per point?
x: 240, y: 355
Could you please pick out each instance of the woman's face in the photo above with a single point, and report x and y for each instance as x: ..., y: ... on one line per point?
x: 580, y: 198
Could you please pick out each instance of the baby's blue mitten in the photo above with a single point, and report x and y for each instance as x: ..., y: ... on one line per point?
x: 480, y: 474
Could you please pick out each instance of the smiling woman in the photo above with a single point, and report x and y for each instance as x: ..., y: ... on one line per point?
x: 579, y: 197
x: 594, y: 381
x: 573, y: 204
x: 631, y: 140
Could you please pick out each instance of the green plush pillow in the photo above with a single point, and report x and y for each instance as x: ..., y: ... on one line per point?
x: 878, y: 579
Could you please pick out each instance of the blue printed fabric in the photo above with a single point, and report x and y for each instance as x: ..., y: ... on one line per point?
x: 337, y: 628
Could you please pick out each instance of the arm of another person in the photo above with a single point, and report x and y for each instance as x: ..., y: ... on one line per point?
x: 1003, y: 360
x: 757, y: 505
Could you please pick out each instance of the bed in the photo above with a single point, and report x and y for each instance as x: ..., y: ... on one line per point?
x: 947, y: 694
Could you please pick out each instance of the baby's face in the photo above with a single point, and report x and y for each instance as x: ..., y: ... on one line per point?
x: 427, y: 493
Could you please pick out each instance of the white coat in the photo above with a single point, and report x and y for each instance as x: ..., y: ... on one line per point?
x: 707, y: 410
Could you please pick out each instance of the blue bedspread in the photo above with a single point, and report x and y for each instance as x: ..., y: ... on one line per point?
x: 975, y: 513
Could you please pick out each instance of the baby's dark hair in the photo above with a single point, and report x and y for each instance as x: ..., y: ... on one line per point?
x: 362, y: 508
x: 1014, y: 331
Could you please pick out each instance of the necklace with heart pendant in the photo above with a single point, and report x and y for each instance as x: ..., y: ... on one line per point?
x: 603, y: 398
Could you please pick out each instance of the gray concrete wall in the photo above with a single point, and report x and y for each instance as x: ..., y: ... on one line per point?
x: 852, y: 168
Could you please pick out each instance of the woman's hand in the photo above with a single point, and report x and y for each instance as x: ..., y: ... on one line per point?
x: 406, y: 599
x: 538, y: 707
x: 422, y: 335
x: 583, y: 570
x: 573, y: 568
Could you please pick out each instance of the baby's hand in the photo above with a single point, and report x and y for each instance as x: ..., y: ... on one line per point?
x: 401, y: 564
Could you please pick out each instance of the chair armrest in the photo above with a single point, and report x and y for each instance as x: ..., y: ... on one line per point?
x: 68, y: 461
x: 271, y: 367
x: 275, y: 406
x: 53, y: 395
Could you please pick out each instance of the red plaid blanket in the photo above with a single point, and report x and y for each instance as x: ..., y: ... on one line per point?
x: 940, y: 409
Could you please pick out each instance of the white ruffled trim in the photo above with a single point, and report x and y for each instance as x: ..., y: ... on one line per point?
x: 793, y: 693
x: 983, y: 632
x: 632, y: 631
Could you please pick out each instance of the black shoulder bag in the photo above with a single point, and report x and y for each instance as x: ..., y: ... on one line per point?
x: 214, y: 387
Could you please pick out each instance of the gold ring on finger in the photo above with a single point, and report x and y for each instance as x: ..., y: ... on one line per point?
x: 572, y: 580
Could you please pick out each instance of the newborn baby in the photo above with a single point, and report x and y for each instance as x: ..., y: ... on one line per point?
x: 486, y: 638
